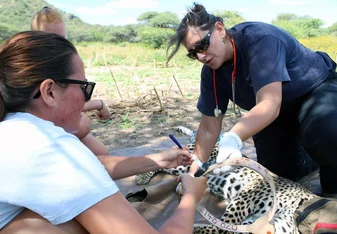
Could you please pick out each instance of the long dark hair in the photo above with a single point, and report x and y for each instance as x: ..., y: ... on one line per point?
x: 28, y: 58
x: 196, y: 17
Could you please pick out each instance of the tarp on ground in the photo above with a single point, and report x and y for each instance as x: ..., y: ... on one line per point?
x: 157, y: 200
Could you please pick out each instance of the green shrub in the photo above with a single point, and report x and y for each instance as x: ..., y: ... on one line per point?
x: 155, y: 37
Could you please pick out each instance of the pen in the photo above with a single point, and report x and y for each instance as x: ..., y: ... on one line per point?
x: 175, y: 141
x: 200, y: 164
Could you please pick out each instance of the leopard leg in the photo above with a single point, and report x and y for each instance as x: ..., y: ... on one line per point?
x: 284, y: 223
x: 145, y: 178
x: 200, y: 228
x: 187, y: 132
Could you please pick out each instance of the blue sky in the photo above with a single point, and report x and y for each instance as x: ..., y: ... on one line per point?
x: 121, y: 12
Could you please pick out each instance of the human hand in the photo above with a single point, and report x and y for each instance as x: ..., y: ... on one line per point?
x: 174, y: 157
x: 229, y: 147
x: 192, y: 186
x: 103, y: 112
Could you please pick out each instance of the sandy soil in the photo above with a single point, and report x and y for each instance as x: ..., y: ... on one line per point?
x: 143, y: 119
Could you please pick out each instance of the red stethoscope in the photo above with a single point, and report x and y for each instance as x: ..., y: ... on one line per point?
x: 217, y: 111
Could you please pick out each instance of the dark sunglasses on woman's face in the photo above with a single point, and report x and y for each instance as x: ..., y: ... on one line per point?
x: 86, y: 86
x: 201, y: 46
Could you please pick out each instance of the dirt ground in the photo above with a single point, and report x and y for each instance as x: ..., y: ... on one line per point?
x: 143, y: 119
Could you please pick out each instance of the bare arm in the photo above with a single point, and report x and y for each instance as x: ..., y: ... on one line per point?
x: 98, y: 105
x: 92, y: 105
x: 266, y: 110
x: 207, y: 135
x: 120, y: 167
x: 116, y: 215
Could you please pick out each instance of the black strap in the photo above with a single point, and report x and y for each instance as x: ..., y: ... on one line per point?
x: 306, y: 212
x: 199, y: 172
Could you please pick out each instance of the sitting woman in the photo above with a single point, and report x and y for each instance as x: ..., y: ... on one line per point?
x: 51, y: 182
x: 50, y: 20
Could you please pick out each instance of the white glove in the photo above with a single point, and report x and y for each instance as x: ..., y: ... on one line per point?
x: 229, y: 147
x: 222, y: 169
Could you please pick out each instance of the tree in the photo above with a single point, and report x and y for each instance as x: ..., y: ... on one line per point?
x: 286, y: 17
x: 155, y: 37
x: 333, y: 29
x: 127, y: 33
x: 159, y: 20
x: 230, y: 18
x: 159, y: 28
x: 6, y: 31
x: 300, y: 26
x: 147, y: 16
x: 165, y: 20
x: 291, y: 28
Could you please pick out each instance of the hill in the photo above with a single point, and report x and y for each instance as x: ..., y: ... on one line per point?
x: 16, y: 15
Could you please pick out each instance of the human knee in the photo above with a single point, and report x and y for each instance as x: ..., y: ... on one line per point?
x: 29, y: 222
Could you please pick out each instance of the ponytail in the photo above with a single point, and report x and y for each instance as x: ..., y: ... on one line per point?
x: 196, y: 16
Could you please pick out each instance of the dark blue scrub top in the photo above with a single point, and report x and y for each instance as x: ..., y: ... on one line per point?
x: 265, y: 54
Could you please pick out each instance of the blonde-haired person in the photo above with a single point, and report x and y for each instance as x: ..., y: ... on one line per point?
x: 50, y: 20
x: 51, y: 182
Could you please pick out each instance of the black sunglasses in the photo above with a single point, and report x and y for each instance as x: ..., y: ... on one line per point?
x: 86, y: 86
x: 201, y: 46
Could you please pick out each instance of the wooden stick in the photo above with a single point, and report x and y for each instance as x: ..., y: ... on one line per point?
x: 178, y: 86
x: 113, y: 77
x: 155, y: 90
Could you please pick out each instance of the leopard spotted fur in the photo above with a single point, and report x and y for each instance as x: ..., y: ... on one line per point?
x: 247, y: 196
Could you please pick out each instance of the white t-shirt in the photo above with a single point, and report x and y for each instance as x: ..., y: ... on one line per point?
x: 47, y: 170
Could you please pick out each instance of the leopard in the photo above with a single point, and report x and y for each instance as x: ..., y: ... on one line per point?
x: 245, y: 194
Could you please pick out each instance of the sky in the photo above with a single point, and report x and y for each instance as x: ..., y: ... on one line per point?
x: 122, y: 12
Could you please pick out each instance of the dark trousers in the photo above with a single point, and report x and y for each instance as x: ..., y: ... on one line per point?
x: 301, y: 140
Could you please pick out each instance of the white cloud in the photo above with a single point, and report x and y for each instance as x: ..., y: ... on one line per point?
x: 84, y: 10
x: 241, y: 9
x: 289, y: 2
x: 133, y: 4
x: 125, y: 21
x: 64, y: 7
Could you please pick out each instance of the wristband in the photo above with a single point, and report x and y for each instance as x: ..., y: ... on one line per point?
x: 101, y: 105
x: 197, y: 160
x: 202, y: 166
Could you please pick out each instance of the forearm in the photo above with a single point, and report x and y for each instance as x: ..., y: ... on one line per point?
x: 120, y: 167
x: 263, y: 114
x: 205, y: 142
x: 207, y: 135
x: 92, y: 105
x: 183, y: 218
